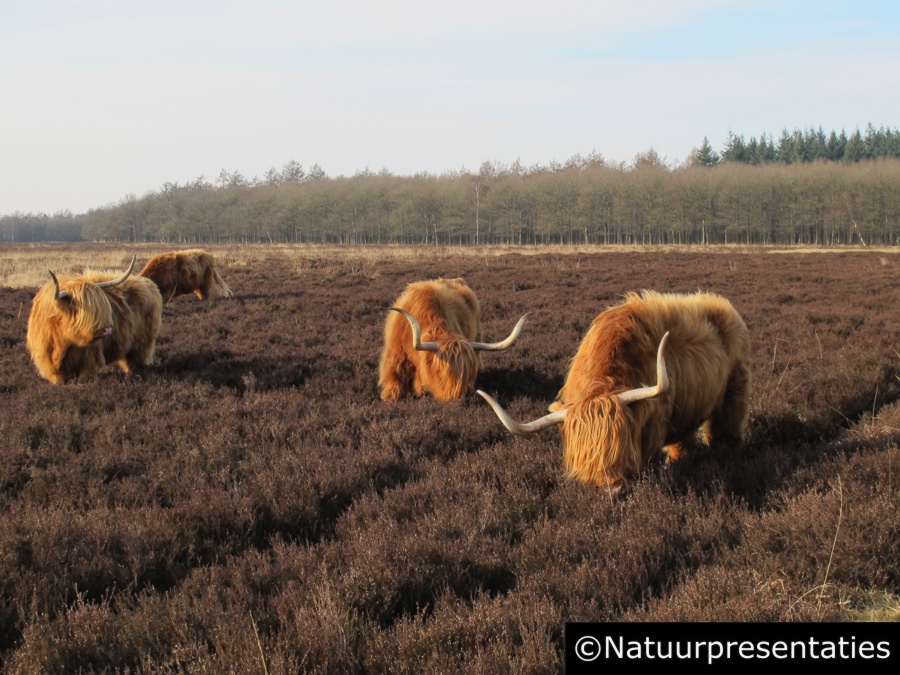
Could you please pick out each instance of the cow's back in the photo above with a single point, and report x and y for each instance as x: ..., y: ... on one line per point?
x: 195, y: 269
x: 443, y: 307
x: 162, y: 269
x: 707, y: 338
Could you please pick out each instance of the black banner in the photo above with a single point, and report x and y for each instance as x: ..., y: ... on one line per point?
x: 775, y: 647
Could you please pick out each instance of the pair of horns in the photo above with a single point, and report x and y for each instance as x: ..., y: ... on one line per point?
x: 558, y: 417
x: 59, y: 295
x: 477, y: 346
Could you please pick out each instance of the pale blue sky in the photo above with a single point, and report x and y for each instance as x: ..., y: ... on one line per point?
x: 100, y: 99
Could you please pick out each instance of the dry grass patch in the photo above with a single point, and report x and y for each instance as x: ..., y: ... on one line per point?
x: 878, y: 606
x: 26, y: 265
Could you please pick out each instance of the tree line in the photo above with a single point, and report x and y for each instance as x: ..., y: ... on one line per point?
x: 584, y: 200
x: 808, y: 145
x: 35, y: 227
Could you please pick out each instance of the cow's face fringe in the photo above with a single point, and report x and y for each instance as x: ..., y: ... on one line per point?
x: 79, y: 318
x: 87, y: 312
x: 451, y: 371
x: 601, y: 441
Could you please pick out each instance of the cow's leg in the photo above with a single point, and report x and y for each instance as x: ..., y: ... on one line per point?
x: 675, y: 450
x: 396, y: 377
x: 419, y: 383
x: 202, y: 290
x: 137, y: 359
x: 727, y: 421
x: 142, y: 350
x: 127, y: 364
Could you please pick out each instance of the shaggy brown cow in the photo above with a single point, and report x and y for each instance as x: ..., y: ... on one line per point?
x: 182, y: 272
x: 77, y: 326
x: 612, y: 425
x: 446, y: 314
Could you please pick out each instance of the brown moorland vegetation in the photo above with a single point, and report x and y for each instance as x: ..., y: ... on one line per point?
x: 250, y: 502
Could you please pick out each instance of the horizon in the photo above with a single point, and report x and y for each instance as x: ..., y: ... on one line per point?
x: 117, y: 99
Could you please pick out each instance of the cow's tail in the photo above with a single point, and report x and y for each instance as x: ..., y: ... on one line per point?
x: 221, y: 285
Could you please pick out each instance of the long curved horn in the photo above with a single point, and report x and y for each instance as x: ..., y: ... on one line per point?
x: 528, y: 428
x: 417, y: 333
x: 116, y: 282
x: 662, y: 379
x: 57, y: 295
x: 508, y: 342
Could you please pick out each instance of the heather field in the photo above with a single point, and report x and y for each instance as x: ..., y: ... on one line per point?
x: 249, y: 504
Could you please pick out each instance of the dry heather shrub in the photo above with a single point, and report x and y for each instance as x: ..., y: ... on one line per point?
x: 398, y: 571
x: 717, y: 593
x: 252, y: 477
x: 87, y: 638
x: 621, y: 555
x: 107, y: 636
x: 841, y: 528
x: 488, y: 635
x: 322, y: 632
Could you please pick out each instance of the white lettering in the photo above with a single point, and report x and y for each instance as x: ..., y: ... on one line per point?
x: 611, y: 647
x: 678, y: 653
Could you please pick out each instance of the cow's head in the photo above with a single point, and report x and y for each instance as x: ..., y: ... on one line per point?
x: 600, y: 435
x: 452, y: 362
x: 82, y: 307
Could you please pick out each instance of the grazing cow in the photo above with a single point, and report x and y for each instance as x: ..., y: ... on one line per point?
x: 446, y: 314
x: 182, y: 272
x: 77, y: 326
x: 612, y: 425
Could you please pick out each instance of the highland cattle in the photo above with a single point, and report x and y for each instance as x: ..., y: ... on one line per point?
x: 432, y: 342
x: 79, y: 325
x: 182, y: 272
x: 612, y: 424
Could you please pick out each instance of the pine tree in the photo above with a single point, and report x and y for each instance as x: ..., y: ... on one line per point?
x: 316, y: 172
x: 770, y: 149
x: 873, y: 142
x: 293, y: 172
x: 855, y: 150
x: 735, y: 149
x: 787, y: 152
x: 834, y: 150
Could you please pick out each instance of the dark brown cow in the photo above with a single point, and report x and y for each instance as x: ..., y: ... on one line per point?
x: 183, y: 272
